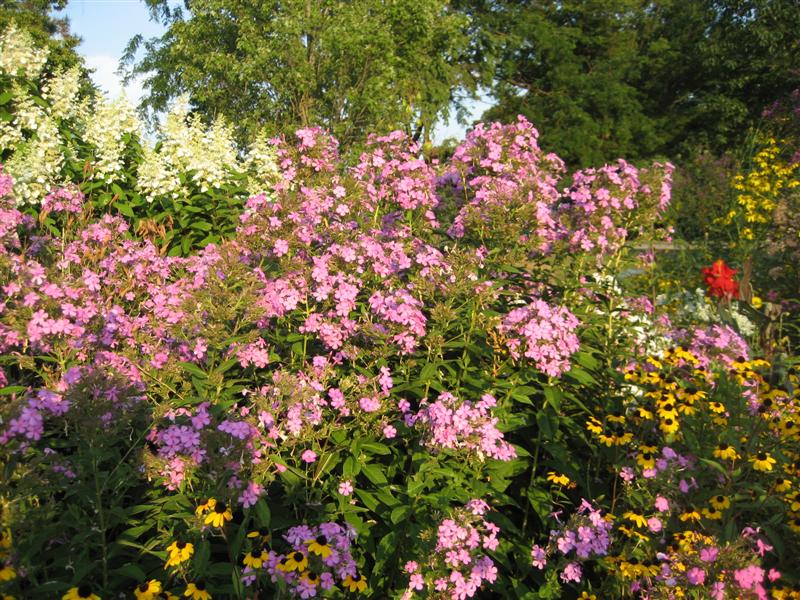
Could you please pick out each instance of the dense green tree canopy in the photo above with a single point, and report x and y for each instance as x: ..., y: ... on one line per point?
x: 35, y: 16
x: 606, y: 78
x: 352, y: 66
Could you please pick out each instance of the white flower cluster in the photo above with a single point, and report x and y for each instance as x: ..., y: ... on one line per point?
x: 262, y: 166
x: 61, y: 92
x: 105, y: 131
x: 697, y: 306
x: 189, y: 155
x: 19, y: 55
x: 209, y: 154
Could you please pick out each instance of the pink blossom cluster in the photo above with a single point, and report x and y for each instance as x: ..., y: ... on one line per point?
x: 63, y: 200
x: 463, y: 426
x: 458, y: 565
x: 729, y: 570
x: 543, y: 334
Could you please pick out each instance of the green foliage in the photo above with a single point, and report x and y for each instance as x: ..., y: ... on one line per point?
x: 636, y: 78
x: 351, y: 67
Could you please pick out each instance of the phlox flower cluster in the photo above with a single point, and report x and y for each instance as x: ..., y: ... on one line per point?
x: 463, y: 426
x: 585, y: 536
x: 458, y: 565
x: 723, y: 570
x: 319, y: 558
x: 543, y: 334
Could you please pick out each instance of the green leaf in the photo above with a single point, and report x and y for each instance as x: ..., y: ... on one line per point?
x: 374, y: 473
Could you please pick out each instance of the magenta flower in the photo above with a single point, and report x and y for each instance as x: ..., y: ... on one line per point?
x: 309, y: 456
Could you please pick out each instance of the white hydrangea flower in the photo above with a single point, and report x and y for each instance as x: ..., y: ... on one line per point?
x: 262, y: 165
x: 36, y: 163
x: 187, y: 146
x: 105, y: 130
x: 19, y: 55
x: 61, y: 91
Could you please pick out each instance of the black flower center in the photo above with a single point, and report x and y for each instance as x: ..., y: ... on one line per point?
x: 255, y: 553
x: 322, y: 540
x: 180, y: 545
x: 220, y: 508
x: 297, y: 556
x: 143, y: 587
x: 200, y: 585
x: 720, y: 499
x: 761, y: 456
x: 356, y: 577
x: 723, y: 447
x: 85, y: 591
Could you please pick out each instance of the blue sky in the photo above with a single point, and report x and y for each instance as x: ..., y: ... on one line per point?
x: 106, y: 26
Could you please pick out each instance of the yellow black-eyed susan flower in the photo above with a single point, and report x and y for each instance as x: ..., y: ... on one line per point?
x: 7, y: 573
x: 148, y: 590
x: 167, y: 596
x: 558, y: 478
x: 295, y: 561
x: 638, y: 520
x: 794, y: 524
x: 262, y: 532
x: 690, y: 515
x: 179, y: 551
x: 587, y: 596
x: 783, y: 485
x: 726, y: 452
x: 5, y: 539
x: 205, y: 506
x: 762, y: 461
x: 311, y: 577
x: 319, y: 546
x: 646, y: 459
x: 719, y: 502
x: 255, y: 558
x: 218, y: 515
x: 83, y: 592
x: 669, y: 425
x: 197, y: 591
x: 716, y: 407
x: 355, y: 583
x: 713, y: 514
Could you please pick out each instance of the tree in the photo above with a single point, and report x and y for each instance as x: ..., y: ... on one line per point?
x: 351, y: 66
x: 604, y: 78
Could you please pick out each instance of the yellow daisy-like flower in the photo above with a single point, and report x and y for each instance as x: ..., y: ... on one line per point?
x: 712, y: 513
x: 319, y: 546
x: 783, y: 485
x: 720, y: 502
x: 262, y: 533
x: 594, y: 426
x: 716, y: 407
x: 83, y: 592
x: 179, y: 551
x: 167, y: 596
x: 794, y: 524
x: 197, y: 591
x: 643, y: 413
x: 311, y: 577
x: 691, y: 515
x: 587, y: 596
x: 296, y: 561
x: 255, y: 558
x: 218, y: 515
x: 726, y: 452
x: 669, y: 425
x: 557, y: 478
x: 7, y: 573
x: 762, y: 461
x: 205, y: 507
x: 616, y: 418
x: 638, y: 520
x: 355, y: 583
x: 5, y: 538
x: 147, y: 590
x: 646, y: 460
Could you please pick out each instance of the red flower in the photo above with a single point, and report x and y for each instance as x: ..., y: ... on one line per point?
x: 720, y: 281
